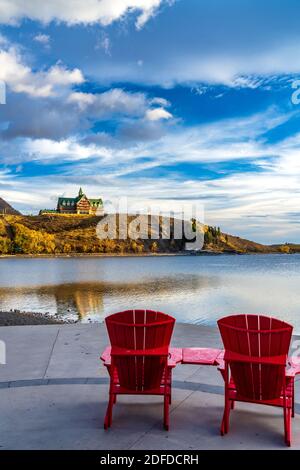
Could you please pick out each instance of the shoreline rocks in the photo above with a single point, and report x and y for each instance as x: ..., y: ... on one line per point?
x: 16, y: 317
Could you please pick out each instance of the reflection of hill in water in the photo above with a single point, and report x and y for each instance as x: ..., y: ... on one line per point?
x: 88, y: 298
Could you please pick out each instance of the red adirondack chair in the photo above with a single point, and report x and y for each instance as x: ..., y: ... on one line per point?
x: 139, y: 361
x: 254, y: 369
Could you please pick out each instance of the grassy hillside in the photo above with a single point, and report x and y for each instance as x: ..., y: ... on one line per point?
x: 223, y: 242
x: 58, y: 234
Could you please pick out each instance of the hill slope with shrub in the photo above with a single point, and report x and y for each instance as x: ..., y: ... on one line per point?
x: 59, y: 234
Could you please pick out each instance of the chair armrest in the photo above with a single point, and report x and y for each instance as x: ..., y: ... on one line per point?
x: 230, y: 357
x: 106, y: 356
x: 116, y: 351
x: 294, y: 368
x: 175, y: 357
x: 220, y: 361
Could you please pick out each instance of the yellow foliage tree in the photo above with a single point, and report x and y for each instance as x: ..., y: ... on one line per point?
x: 67, y: 248
x: 154, y: 247
x: 29, y: 241
x: 285, y: 249
x: 5, y: 245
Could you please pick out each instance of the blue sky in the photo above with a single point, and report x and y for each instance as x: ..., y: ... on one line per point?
x: 155, y: 100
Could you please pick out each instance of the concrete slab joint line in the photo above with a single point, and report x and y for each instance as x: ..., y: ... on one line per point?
x: 177, y: 384
x: 51, y: 352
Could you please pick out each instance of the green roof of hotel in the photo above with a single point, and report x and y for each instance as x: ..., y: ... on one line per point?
x: 81, y: 194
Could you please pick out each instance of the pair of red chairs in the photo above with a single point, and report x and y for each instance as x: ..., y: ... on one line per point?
x: 254, y: 365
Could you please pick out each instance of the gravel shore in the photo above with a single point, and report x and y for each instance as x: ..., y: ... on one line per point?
x: 15, y: 317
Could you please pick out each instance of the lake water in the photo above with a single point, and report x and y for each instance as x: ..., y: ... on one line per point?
x: 194, y: 289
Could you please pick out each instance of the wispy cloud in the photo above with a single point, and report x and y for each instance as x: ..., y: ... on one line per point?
x: 43, y: 39
x: 81, y: 11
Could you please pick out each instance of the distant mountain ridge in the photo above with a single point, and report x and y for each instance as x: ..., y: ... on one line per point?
x: 6, y: 208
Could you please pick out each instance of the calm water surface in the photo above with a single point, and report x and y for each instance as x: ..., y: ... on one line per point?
x: 195, y: 289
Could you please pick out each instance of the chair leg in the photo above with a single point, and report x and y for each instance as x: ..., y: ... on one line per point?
x: 227, y: 416
x: 170, y: 385
x: 293, y: 399
x: 108, y: 416
x: 227, y: 401
x: 222, y: 430
x: 225, y: 420
x: 166, y: 412
x: 287, y: 415
x: 232, y: 404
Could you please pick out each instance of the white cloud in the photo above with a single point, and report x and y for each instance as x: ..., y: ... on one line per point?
x: 103, y: 42
x: 59, y: 75
x: 19, y: 77
x: 114, y: 101
x: 78, y: 12
x: 199, y: 90
x: 157, y: 114
x: 42, y: 38
x: 120, y: 102
x: 251, y: 82
x: 106, y: 45
x: 82, y: 99
x: 160, y: 101
x: 68, y: 150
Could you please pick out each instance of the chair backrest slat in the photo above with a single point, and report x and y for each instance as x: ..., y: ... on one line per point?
x: 241, y: 343
x: 141, y: 330
x: 256, y: 336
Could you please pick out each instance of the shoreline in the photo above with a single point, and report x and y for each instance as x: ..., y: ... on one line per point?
x: 117, y: 255
x: 138, y: 255
x: 25, y: 318
x: 94, y: 255
x: 22, y: 318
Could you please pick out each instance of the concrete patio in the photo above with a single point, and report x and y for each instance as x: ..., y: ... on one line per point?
x: 54, y: 393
